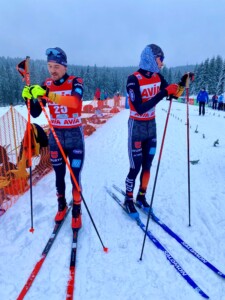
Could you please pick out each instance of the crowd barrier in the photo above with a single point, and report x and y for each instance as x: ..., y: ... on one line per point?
x: 14, y: 169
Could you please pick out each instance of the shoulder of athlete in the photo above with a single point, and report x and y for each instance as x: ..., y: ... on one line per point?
x: 164, y: 83
x: 132, y: 81
x: 77, y: 86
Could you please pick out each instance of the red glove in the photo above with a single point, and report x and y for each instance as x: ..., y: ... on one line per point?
x: 172, y: 89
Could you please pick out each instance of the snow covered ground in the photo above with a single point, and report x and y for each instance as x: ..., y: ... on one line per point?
x: 119, y: 274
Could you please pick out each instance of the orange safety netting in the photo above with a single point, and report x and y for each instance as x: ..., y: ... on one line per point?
x: 14, y: 167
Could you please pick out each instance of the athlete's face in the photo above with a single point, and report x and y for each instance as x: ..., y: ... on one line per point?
x: 56, y: 71
x: 159, y: 62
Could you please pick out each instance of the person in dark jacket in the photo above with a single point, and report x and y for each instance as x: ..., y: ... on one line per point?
x: 202, y: 99
x: 145, y: 88
x: 220, y: 102
x: 214, y: 101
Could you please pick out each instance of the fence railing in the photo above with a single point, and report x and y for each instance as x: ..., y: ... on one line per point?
x: 14, y: 175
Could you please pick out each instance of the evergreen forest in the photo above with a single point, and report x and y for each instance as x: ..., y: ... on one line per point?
x: 209, y: 74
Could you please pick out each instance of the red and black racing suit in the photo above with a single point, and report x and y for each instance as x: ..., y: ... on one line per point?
x: 68, y: 127
x: 145, y: 89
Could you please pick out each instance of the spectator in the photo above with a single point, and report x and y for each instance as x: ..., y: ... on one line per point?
x: 220, y: 102
x: 117, y: 99
x: 105, y: 95
x: 202, y: 99
x: 214, y: 101
x: 97, y: 94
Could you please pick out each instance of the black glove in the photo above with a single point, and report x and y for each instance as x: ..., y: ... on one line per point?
x: 185, y: 77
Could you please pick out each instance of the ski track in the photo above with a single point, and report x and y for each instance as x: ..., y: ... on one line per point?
x: 119, y: 274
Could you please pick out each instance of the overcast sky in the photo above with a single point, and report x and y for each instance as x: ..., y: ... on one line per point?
x: 113, y: 32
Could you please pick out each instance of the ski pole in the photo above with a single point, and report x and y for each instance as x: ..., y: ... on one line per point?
x: 188, y: 153
x: 189, y: 78
x: 23, y: 69
x: 157, y: 170
x: 71, y: 172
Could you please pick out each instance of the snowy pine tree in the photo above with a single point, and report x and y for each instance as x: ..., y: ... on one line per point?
x: 208, y: 74
x: 212, y: 83
x: 221, y: 83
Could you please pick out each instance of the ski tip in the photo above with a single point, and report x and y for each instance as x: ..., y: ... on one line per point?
x: 105, y: 249
x: 204, y: 295
x: 31, y: 230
